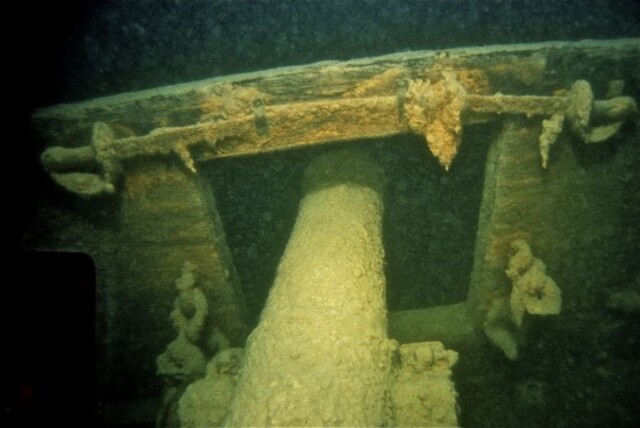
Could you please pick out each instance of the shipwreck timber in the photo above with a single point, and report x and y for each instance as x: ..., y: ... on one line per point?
x: 429, y: 93
x: 146, y: 150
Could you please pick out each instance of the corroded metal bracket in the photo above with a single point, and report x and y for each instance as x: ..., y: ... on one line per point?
x: 435, y: 98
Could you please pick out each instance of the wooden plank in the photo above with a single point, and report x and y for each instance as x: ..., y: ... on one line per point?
x: 169, y: 217
x: 510, y: 69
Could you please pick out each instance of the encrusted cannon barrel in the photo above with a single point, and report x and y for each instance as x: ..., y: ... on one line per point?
x: 320, y: 355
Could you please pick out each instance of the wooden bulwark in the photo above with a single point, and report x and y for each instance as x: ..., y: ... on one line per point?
x: 533, y: 69
x: 430, y: 93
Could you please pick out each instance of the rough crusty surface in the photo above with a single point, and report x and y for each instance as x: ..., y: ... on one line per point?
x: 320, y: 355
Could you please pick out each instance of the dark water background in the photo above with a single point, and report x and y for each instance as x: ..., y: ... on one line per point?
x: 74, y: 50
x: 99, y: 47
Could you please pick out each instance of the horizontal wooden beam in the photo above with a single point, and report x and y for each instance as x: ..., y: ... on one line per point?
x: 430, y: 93
x: 533, y: 69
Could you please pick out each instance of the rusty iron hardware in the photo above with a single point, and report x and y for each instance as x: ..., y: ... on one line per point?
x: 260, y: 118
x: 436, y: 109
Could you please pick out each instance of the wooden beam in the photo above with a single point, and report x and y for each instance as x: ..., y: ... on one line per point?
x: 510, y: 69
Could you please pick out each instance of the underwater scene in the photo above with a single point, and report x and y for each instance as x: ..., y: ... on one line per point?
x: 329, y: 213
